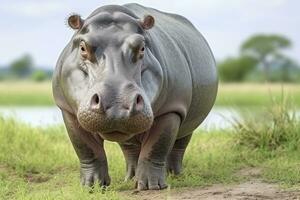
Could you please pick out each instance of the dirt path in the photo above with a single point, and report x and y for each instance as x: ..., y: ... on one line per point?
x: 254, y: 189
x: 249, y: 190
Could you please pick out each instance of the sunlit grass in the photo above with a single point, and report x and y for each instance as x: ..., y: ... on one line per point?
x: 29, y: 150
x: 255, y: 94
x: 40, y: 163
x: 273, y: 137
x: 25, y: 93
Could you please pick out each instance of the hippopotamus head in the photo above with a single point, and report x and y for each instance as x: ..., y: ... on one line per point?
x: 100, y: 75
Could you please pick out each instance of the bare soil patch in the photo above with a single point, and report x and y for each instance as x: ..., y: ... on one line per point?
x: 36, y: 178
x: 252, y: 189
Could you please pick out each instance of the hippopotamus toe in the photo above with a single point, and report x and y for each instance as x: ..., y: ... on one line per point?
x: 95, y: 172
x: 150, y: 176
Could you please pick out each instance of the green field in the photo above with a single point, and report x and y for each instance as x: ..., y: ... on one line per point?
x: 25, y: 94
x: 238, y: 94
x: 40, y: 163
x: 256, y: 94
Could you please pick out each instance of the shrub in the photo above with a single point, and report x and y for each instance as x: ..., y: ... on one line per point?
x: 22, y: 67
x: 236, y: 69
x: 39, y: 76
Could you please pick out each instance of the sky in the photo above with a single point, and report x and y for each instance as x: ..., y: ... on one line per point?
x: 39, y: 27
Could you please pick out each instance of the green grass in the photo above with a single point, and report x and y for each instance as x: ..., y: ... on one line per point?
x: 238, y: 94
x: 270, y: 128
x: 255, y: 94
x: 40, y: 163
x: 273, y: 138
x: 25, y: 93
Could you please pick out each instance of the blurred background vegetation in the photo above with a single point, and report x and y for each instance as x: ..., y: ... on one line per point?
x: 261, y: 58
x: 261, y: 67
x: 23, y: 68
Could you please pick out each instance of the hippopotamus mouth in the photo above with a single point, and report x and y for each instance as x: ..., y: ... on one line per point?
x: 115, y: 136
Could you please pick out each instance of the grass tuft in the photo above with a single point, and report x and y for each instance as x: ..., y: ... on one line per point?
x: 272, y: 128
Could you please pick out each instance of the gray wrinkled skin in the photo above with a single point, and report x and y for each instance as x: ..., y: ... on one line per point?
x: 149, y: 100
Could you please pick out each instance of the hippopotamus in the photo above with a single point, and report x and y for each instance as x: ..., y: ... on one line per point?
x: 137, y: 76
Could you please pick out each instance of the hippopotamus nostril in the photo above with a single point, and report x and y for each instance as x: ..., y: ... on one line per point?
x: 138, y: 103
x: 139, y: 99
x: 95, y: 102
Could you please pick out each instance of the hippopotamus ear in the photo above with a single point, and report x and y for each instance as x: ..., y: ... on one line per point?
x: 148, y: 22
x: 75, y: 21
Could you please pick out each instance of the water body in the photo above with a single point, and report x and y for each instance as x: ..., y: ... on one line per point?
x: 218, y: 118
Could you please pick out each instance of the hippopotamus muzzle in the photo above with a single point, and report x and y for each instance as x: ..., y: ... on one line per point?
x: 116, y: 111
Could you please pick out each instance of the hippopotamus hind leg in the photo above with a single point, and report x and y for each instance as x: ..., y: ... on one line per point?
x: 175, y: 157
x: 131, y: 153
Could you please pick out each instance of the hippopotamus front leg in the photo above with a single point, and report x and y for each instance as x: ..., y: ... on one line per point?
x: 156, y: 145
x: 90, y: 151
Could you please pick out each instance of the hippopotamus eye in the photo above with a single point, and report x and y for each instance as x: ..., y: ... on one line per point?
x: 138, y: 53
x: 83, y: 49
x: 142, y: 50
x: 141, y: 53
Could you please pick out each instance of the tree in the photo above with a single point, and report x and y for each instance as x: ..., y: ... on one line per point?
x: 22, y: 66
x: 236, y: 69
x: 263, y: 48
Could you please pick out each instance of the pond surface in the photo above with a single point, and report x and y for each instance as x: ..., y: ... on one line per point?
x: 218, y: 118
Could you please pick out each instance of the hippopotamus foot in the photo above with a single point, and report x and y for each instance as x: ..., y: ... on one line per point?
x: 174, y: 163
x: 175, y: 157
x: 150, y: 175
x: 157, y: 143
x: 131, y: 153
x: 94, y: 172
x: 130, y: 171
